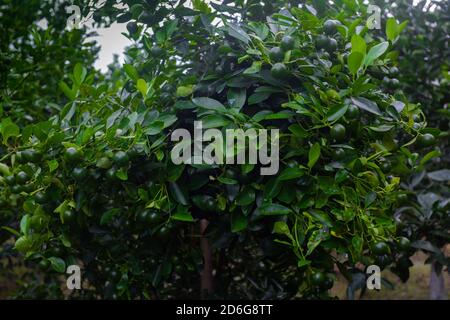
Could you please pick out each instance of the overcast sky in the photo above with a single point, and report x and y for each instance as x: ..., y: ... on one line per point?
x: 112, y: 41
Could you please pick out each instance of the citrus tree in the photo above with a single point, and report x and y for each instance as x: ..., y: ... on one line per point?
x: 422, y: 75
x: 94, y: 185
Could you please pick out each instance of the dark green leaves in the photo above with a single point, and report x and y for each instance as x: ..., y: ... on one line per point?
x: 366, y: 105
x: 209, y: 104
x: 237, y: 32
x: 273, y: 209
x: 8, y: 129
x: 58, y: 264
x: 336, y: 112
x: 375, y: 52
x: 313, y: 155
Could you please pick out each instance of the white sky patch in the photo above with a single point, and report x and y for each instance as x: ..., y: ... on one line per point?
x: 111, y: 41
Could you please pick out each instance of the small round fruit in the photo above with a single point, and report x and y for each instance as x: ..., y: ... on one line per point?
x: 31, y: 155
x: 352, y: 112
x: 330, y: 26
x: 287, y: 43
x: 164, y: 232
x: 386, y: 166
x: 156, y: 51
x: 132, y: 27
x: 20, y: 158
x: 322, y: 42
x: 393, y: 71
x: 337, y: 132
x: 169, y: 88
x: 380, y: 248
x: 291, y: 163
x: 328, y: 283
x: 121, y: 158
x: 44, y: 264
x: 72, y: 155
x: 142, y: 216
x: 404, y: 244
x: 69, y: 216
x: 40, y: 197
x: 332, y: 45
x: 22, y: 177
x: 395, y: 83
x: 383, y: 260
x: 279, y: 71
x: 79, y: 173
x: 111, y: 174
x: 276, y: 54
x: 338, y: 154
x: 426, y: 140
x: 10, y: 180
x: 16, y: 189
x: 318, y: 278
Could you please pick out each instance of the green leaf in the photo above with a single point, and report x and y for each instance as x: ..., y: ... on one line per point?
x: 225, y: 180
x: 236, y: 97
x: 358, y: 45
x: 315, y: 239
x: 354, y: 61
x: 142, y: 86
x: 58, y: 264
x: 108, y: 216
x: 298, y: 131
x: 178, y: 193
x: 321, y: 216
x: 52, y: 165
x: 313, y: 155
x: 336, y: 112
x: 254, y: 68
x: 79, y: 73
x: 11, y: 230
x: 391, y: 29
x: 281, y: 227
x: 430, y: 155
x: 237, y: 32
x: 375, y: 52
x: 258, y: 97
x: 8, y: 129
x: 4, y: 169
x: 122, y: 174
x: 238, y: 222
x: 182, y: 214
x: 290, y: 173
x: 131, y: 72
x: 210, y: 104
x: 273, y: 209
x: 71, y: 94
x: 214, y: 121
x: 366, y: 105
x: 185, y: 91
x: 246, y: 196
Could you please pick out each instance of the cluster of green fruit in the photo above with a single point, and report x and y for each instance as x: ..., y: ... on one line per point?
x: 277, y: 54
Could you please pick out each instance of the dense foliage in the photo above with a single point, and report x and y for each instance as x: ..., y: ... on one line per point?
x: 91, y: 182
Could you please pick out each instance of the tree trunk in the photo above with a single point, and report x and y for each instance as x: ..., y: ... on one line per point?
x: 437, y: 285
x: 206, y: 275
